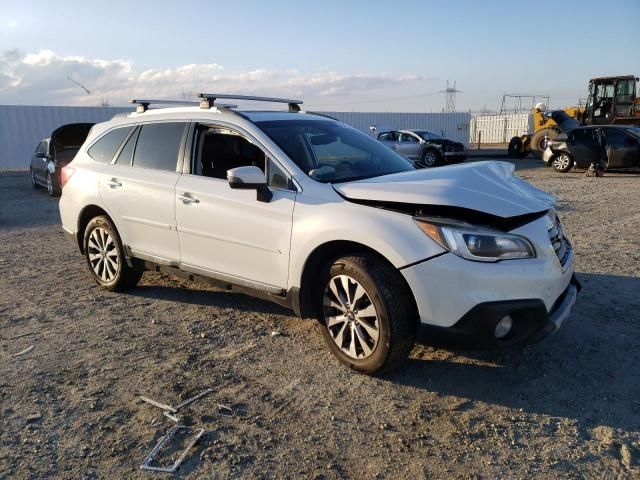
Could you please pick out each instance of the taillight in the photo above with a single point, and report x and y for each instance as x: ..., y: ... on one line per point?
x: 65, y: 175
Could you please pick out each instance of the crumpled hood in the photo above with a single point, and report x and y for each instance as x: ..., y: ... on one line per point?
x: 490, y: 187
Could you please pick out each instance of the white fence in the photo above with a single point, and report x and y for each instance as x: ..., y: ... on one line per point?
x: 499, y: 128
x: 23, y: 126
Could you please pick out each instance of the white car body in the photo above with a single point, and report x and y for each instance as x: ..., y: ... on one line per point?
x: 201, y: 226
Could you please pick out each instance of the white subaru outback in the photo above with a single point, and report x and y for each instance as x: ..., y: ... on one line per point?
x: 303, y: 210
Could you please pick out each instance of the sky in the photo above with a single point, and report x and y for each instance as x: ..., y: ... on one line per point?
x: 347, y: 55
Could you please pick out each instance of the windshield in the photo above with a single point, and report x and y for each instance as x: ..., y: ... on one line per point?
x: 330, y: 151
x: 428, y: 135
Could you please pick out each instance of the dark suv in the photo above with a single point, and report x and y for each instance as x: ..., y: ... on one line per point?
x: 585, y: 145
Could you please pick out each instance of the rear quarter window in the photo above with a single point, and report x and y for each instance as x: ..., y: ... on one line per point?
x: 105, y: 148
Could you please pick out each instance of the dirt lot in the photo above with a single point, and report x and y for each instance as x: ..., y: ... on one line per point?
x: 568, y: 407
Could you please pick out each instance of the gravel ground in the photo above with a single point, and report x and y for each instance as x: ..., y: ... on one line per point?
x: 568, y: 407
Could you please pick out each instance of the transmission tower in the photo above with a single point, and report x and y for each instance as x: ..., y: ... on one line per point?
x: 450, y: 97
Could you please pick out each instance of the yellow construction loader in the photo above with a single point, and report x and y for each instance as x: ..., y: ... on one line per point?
x: 611, y: 100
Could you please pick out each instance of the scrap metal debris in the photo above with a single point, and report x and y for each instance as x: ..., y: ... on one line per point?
x: 146, y: 464
x: 158, y: 404
x: 193, y: 399
x: 171, y: 413
x: 26, y: 350
x: 224, y: 407
x: 171, y: 417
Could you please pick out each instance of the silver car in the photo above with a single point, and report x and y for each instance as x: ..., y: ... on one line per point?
x: 424, y: 148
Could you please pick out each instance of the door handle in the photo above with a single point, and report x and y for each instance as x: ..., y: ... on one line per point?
x: 113, y: 183
x: 187, y: 199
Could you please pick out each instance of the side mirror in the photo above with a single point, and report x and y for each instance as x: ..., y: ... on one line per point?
x: 250, y: 178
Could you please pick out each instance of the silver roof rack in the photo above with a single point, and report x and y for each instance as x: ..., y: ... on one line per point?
x: 143, y: 104
x: 208, y: 100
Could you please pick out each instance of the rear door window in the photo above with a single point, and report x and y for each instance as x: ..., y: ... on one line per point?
x: 158, y: 146
x: 104, y: 149
x: 583, y: 136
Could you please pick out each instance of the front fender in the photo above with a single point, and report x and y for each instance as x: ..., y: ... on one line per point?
x: 391, y: 234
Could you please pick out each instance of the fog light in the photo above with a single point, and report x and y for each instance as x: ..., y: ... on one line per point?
x: 503, y: 327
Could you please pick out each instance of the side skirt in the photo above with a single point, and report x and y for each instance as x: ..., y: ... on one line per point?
x: 287, y: 299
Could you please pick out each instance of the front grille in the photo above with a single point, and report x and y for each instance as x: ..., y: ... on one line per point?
x: 559, y: 242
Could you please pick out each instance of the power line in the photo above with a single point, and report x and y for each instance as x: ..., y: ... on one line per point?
x: 450, y: 97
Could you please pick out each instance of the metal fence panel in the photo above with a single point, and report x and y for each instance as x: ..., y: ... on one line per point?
x: 454, y: 126
x: 23, y: 126
x: 499, y: 128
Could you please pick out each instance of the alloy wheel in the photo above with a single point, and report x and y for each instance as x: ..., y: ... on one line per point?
x: 429, y: 159
x: 103, y: 255
x: 561, y: 162
x: 350, y: 317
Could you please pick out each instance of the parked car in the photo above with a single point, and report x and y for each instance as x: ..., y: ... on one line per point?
x: 584, y: 145
x: 424, y: 148
x: 55, y: 152
x: 317, y: 216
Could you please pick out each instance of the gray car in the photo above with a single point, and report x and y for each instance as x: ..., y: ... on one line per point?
x: 424, y: 148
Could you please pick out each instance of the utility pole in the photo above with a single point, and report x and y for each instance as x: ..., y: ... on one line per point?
x: 450, y: 97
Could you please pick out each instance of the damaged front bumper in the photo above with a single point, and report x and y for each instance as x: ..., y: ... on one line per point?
x: 531, y: 321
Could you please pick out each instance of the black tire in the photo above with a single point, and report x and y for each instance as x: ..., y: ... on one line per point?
x: 538, y: 140
x: 515, y: 149
x: 396, y: 319
x: 117, y: 279
x: 562, y: 162
x: 53, y: 189
x: 430, y: 158
x: 34, y: 183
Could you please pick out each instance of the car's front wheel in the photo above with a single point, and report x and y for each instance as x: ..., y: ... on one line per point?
x: 105, y: 256
x: 562, y: 162
x: 430, y: 158
x: 368, y: 320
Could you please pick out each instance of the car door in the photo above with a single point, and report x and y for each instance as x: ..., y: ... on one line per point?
x: 623, y: 151
x: 227, y: 233
x: 583, y: 146
x: 408, y: 145
x: 138, y: 187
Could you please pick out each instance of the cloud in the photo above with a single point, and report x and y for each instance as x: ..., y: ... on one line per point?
x: 41, y: 78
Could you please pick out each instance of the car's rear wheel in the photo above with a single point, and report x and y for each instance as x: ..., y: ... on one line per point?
x: 105, y: 256
x: 367, y: 317
x: 430, y: 158
x: 34, y: 183
x: 52, y: 188
x: 562, y: 162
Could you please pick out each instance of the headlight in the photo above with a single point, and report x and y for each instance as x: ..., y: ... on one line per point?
x: 476, y: 243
